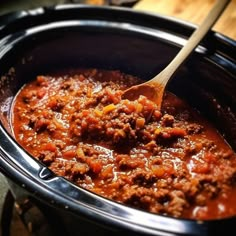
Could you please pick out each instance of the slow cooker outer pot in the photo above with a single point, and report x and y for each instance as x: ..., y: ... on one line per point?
x: 44, y: 39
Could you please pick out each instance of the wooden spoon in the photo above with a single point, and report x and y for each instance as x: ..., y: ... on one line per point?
x: 154, y: 89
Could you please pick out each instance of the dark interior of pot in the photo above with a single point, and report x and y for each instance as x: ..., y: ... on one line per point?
x: 207, y: 81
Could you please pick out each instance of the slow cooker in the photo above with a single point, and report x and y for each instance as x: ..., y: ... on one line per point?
x: 37, y: 41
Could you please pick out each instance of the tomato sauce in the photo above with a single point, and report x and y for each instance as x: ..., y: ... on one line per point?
x: 173, y: 163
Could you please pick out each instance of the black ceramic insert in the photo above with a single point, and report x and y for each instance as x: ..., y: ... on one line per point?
x: 66, y: 36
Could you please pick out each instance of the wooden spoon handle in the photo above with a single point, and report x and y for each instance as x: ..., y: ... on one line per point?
x: 194, y: 40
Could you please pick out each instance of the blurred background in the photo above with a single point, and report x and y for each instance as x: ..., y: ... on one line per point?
x: 192, y: 11
x: 189, y: 10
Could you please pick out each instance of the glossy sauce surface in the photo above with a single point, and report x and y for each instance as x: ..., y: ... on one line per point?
x: 172, y: 163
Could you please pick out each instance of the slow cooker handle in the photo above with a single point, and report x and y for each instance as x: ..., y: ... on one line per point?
x: 14, y: 21
x: 8, y: 18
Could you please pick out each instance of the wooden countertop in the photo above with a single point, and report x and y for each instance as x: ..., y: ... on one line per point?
x: 193, y: 11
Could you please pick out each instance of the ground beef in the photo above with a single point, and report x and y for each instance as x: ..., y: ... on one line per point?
x: 170, y: 162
